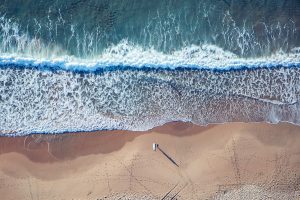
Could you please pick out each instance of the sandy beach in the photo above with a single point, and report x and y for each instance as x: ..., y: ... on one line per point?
x: 230, y: 161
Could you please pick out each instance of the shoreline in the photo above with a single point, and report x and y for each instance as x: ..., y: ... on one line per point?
x: 214, y: 162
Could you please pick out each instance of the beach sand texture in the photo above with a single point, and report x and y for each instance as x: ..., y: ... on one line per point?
x: 229, y: 161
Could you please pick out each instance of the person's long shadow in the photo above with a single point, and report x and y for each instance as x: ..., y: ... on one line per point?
x: 173, y: 161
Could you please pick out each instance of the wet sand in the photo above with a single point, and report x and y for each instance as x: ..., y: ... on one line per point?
x: 230, y: 161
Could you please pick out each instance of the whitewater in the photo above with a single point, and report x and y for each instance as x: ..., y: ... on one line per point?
x: 129, y: 88
x: 136, y: 65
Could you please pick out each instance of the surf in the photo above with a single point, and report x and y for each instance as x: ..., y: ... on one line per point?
x: 193, y: 61
x: 65, y: 95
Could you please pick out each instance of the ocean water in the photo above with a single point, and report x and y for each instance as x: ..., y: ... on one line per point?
x: 84, y: 65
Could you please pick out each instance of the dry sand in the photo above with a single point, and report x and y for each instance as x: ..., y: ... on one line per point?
x: 230, y: 161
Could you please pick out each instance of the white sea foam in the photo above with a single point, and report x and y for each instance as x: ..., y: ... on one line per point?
x: 125, y: 54
x: 47, y: 101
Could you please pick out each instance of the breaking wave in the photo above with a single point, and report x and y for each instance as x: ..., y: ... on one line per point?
x: 130, y: 88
